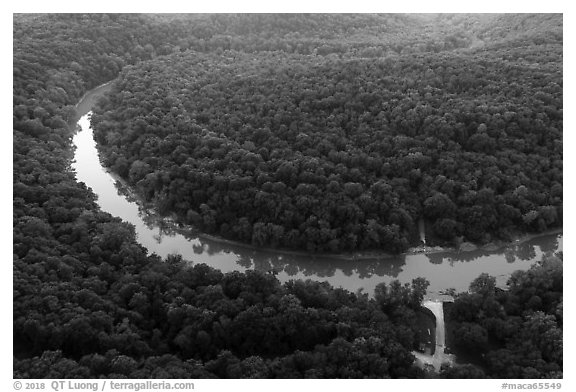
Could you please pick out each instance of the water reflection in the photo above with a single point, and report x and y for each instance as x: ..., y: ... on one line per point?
x: 444, y: 270
x: 308, y: 265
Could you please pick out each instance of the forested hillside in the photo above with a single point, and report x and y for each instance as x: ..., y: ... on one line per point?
x: 246, y: 105
x: 337, y: 153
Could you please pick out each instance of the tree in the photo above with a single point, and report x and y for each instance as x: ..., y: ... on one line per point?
x: 471, y: 337
x: 439, y: 206
x: 484, y: 285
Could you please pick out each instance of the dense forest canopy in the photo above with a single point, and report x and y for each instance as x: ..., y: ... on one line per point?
x: 515, y: 333
x: 457, y: 118
x: 335, y: 151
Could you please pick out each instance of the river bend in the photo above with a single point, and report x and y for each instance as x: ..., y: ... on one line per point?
x: 443, y: 270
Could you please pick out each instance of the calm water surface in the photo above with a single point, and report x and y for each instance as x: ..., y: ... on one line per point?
x: 443, y: 270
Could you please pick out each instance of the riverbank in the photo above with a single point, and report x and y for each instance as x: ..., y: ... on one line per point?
x: 489, y: 247
x: 173, y: 225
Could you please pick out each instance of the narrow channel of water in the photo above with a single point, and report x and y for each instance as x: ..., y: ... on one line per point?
x: 443, y: 270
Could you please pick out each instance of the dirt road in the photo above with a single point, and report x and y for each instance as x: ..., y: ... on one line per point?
x: 439, y: 356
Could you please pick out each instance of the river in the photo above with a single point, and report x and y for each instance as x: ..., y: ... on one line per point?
x: 444, y: 270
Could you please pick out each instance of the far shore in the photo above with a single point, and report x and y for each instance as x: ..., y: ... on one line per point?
x: 188, y: 230
x: 174, y: 225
